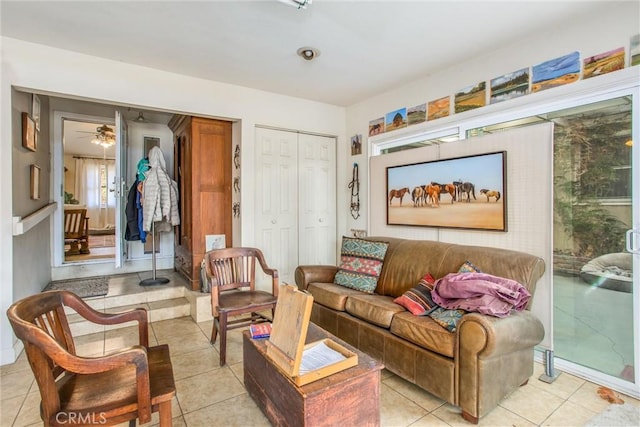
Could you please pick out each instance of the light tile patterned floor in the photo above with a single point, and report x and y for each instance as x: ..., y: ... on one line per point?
x: 208, y: 395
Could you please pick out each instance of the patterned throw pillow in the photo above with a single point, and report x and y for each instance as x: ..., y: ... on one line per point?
x: 448, y: 319
x: 468, y: 267
x: 418, y: 299
x: 360, y: 264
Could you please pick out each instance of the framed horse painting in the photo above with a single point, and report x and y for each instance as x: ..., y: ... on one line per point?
x: 463, y: 192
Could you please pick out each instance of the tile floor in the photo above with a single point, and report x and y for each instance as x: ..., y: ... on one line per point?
x: 208, y: 395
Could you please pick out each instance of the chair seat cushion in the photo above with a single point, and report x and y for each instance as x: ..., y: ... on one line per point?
x: 423, y: 331
x: 331, y: 295
x: 244, y: 299
x: 89, y: 394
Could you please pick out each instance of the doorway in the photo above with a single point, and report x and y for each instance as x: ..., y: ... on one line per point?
x: 76, y: 122
x: 88, y: 176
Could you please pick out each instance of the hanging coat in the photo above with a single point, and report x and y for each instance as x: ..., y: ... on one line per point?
x: 131, y: 210
x: 160, y: 202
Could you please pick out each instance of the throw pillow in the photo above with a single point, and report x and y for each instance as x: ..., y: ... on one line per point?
x: 360, y: 264
x: 448, y: 319
x: 418, y: 299
x: 468, y: 267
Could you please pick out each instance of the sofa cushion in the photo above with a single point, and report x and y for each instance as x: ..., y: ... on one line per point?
x: 360, y: 264
x: 418, y: 299
x: 331, y: 295
x: 423, y: 331
x: 375, y: 309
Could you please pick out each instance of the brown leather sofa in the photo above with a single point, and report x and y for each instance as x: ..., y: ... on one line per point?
x: 476, y: 366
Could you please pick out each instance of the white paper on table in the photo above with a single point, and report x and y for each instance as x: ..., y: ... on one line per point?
x: 319, y: 356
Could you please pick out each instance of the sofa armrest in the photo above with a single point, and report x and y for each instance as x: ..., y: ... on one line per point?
x: 494, y: 357
x: 488, y: 336
x: 306, y: 274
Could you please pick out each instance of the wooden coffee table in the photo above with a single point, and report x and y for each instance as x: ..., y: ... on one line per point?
x: 349, y: 397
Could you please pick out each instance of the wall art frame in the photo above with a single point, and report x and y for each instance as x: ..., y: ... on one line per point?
x: 35, y: 182
x: 464, y: 192
x: 29, y: 140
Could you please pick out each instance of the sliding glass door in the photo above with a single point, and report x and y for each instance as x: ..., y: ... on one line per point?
x: 593, y: 272
x: 595, y: 237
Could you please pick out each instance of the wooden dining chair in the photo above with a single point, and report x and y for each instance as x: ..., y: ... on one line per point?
x: 76, y: 231
x: 232, y: 272
x: 104, y: 390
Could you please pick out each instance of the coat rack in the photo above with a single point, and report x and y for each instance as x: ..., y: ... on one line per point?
x: 153, y: 280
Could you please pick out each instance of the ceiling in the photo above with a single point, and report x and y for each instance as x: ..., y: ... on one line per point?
x: 366, y: 47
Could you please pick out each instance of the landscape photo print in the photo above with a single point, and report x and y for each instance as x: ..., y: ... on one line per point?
x: 464, y: 192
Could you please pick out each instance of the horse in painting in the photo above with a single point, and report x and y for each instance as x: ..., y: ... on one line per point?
x: 433, y: 193
x: 447, y: 188
x: 465, y: 188
x: 490, y: 193
x: 417, y: 195
x: 397, y: 193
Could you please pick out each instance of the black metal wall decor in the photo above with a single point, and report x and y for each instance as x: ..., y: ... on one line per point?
x: 354, y: 185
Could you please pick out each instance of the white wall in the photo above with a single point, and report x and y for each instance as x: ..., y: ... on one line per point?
x: 69, y: 74
x: 615, y: 27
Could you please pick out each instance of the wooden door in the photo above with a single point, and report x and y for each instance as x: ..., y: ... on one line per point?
x: 211, y: 184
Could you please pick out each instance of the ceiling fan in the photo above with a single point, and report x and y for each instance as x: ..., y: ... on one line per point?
x: 105, y: 136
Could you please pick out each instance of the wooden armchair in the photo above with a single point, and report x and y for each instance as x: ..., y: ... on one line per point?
x: 232, y: 272
x: 106, y: 390
x: 76, y: 231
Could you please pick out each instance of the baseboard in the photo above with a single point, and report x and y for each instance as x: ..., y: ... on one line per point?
x: 10, y: 355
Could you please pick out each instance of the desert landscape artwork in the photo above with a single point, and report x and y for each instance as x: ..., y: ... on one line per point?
x: 439, y: 108
x: 556, y: 72
x: 603, y: 63
x: 463, y: 192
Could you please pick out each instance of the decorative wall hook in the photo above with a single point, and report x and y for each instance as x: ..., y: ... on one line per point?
x: 354, y: 185
x: 236, y: 157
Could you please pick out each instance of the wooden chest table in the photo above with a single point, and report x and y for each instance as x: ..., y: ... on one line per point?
x: 350, y: 397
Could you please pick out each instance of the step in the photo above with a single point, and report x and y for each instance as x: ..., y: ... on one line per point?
x: 161, y: 303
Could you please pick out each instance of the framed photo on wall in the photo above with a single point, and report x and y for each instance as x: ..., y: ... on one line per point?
x: 35, y: 182
x: 463, y: 192
x: 149, y: 143
x: 29, y: 140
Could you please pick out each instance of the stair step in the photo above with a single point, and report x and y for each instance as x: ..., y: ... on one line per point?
x: 157, y: 309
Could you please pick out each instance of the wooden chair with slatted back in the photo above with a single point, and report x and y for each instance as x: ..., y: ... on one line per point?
x: 76, y: 231
x: 232, y: 272
x: 105, y: 390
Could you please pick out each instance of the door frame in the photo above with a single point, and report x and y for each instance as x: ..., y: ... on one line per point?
x: 57, y: 191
